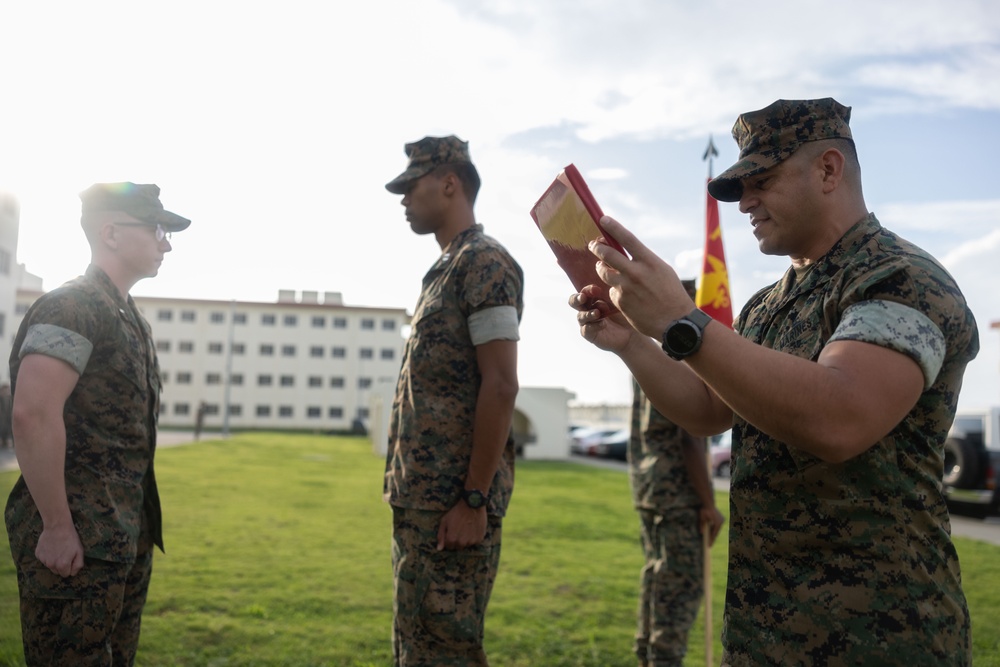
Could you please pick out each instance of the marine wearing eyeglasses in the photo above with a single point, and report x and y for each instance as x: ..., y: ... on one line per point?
x: 85, y: 513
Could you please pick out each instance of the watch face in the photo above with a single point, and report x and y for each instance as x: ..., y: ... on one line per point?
x: 474, y: 499
x: 682, y: 337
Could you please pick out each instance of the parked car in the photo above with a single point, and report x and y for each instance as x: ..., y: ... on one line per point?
x: 972, y: 463
x: 721, y: 450
x: 612, y: 446
x: 584, y: 437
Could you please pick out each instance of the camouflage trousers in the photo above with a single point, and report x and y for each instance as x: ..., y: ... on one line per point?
x: 671, y: 585
x: 439, y: 606
x: 88, y: 620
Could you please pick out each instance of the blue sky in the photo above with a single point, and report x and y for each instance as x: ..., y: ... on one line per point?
x: 274, y: 126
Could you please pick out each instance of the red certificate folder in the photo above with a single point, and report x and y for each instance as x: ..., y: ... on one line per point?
x: 569, y: 218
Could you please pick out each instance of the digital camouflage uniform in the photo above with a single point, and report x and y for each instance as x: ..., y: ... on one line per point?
x: 852, y: 563
x: 672, y: 581
x: 441, y: 597
x: 110, y: 420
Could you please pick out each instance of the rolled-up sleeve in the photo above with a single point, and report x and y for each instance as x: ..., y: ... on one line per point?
x: 55, y: 341
x: 897, y: 327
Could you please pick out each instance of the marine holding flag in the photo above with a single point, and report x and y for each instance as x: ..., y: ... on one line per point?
x: 840, y: 382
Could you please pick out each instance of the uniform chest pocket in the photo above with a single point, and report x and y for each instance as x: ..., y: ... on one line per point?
x: 125, y: 364
x: 802, y: 337
x: 427, y: 309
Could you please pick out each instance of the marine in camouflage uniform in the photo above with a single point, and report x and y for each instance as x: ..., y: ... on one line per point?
x: 674, y: 497
x: 849, y: 563
x: 840, y: 548
x: 85, y: 353
x: 450, y: 446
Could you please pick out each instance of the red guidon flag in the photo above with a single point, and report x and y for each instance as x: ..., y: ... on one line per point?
x: 713, y: 288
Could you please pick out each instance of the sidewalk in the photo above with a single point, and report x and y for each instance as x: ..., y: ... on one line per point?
x: 8, y: 461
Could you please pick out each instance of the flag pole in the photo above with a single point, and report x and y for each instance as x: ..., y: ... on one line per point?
x: 706, y: 529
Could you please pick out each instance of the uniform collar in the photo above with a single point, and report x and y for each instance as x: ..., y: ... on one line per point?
x: 460, y: 239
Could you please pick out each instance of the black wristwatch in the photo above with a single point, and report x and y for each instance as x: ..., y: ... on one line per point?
x: 682, y: 337
x: 475, y: 498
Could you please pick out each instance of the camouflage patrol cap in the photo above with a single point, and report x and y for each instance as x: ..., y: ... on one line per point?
x: 139, y: 201
x: 427, y: 155
x: 770, y: 135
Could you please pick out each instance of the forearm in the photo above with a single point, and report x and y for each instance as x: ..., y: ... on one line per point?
x: 674, y: 390
x: 491, y: 428
x: 40, y: 443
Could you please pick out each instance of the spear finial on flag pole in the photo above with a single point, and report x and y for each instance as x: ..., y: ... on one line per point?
x: 710, y: 153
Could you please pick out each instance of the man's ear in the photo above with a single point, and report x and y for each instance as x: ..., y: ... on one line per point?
x: 108, y: 235
x: 450, y: 184
x: 832, y: 163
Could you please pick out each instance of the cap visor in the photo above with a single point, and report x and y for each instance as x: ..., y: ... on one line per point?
x: 397, y: 186
x: 172, y: 222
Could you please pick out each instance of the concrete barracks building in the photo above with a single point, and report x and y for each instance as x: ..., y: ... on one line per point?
x: 298, y: 363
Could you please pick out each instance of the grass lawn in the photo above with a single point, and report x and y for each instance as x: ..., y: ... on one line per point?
x: 278, y: 554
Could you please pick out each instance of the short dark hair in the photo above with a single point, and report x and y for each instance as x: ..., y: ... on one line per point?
x: 467, y: 175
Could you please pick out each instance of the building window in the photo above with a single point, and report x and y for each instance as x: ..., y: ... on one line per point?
x: 388, y: 325
x: 362, y: 413
x: 314, y: 412
x: 186, y: 346
x: 213, y: 378
x: 288, y: 350
x: 215, y: 348
x: 340, y: 323
x: 364, y: 383
x: 319, y: 321
x: 164, y: 377
x: 182, y: 409
x: 263, y: 410
x: 367, y: 353
x: 236, y: 379
x: 183, y: 378
x: 266, y: 350
x: 287, y: 380
x: 315, y: 381
x: 387, y: 354
x: 338, y: 352
x: 337, y: 382
x: 267, y: 320
x: 217, y: 317
x: 187, y: 316
x: 235, y: 410
x: 239, y: 348
x: 335, y: 413
x: 285, y: 411
x: 239, y: 318
x: 367, y: 323
x: 264, y: 380
x: 316, y: 351
x: 164, y: 315
x: 291, y: 320
x: 163, y: 346
x: 211, y: 408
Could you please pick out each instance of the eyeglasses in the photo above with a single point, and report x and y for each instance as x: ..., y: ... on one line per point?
x: 161, y: 233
